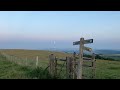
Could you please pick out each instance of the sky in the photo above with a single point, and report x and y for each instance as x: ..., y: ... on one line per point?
x: 59, y: 29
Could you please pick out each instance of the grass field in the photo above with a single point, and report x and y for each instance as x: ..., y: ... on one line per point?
x: 43, y: 56
x: 105, y: 69
x: 10, y: 70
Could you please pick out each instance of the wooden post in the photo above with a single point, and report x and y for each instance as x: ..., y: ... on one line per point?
x: 55, y: 66
x: 26, y: 61
x: 66, y: 69
x: 51, y: 64
x: 69, y: 68
x: 11, y: 58
x: 74, y: 66
x: 80, y: 62
x: 36, y: 61
x: 93, y: 65
x: 14, y: 59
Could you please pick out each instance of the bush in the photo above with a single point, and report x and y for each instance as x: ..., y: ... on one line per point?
x: 39, y: 73
x: 98, y: 57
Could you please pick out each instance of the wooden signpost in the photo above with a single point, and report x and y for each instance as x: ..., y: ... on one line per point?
x: 74, y: 67
x: 81, y: 48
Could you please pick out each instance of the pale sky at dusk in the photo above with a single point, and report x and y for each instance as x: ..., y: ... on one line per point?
x: 39, y: 29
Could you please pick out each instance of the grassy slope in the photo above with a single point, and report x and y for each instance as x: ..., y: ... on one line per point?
x: 105, y: 69
x: 10, y: 70
x: 33, y: 53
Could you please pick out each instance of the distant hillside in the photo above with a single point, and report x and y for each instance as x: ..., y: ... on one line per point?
x: 102, y: 51
x: 107, y: 51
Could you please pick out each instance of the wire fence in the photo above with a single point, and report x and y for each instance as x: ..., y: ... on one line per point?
x: 33, y: 62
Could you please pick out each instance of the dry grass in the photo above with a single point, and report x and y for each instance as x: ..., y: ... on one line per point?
x: 42, y: 54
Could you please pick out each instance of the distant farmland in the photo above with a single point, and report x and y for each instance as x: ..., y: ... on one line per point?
x: 114, y: 56
x: 105, y: 69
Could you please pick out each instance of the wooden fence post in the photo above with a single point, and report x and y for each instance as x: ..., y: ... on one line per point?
x: 55, y: 66
x: 93, y: 65
x: 74, y: 66
x: 36, y: 61
x: 52, y: 65
x: 69, y: 68
x: 26, y: 61
x: 15, y: 59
